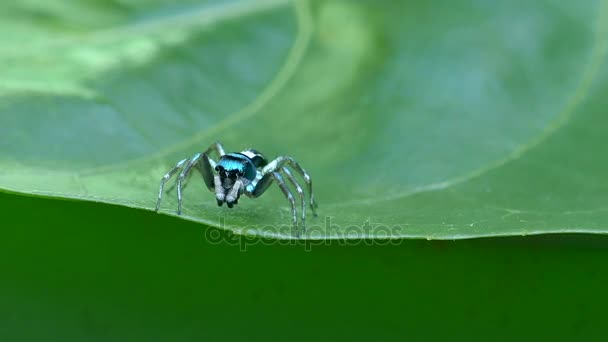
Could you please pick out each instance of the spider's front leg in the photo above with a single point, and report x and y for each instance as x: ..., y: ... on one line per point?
x: 202, y: 163
x: 218, y: 148
x: 165, y: 178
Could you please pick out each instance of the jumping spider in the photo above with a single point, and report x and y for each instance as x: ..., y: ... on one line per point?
x: 247, y: 172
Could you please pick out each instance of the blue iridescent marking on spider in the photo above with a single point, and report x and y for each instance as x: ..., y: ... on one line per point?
x: 239, y: 163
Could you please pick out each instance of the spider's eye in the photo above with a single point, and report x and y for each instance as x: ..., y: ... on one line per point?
x: 232, y: 176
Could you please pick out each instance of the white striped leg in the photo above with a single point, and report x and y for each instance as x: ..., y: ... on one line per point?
x: 294, y: 215
x: 217, y: 147
x: 182, y: 177
x: 165, y: 178
x: 286, y: 160
x: 295, y: 183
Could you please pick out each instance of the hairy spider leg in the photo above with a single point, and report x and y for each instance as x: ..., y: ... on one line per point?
x: 290, y: 198
x: 281, y: 161
x: 202, y: 163
x: 218, y: 148
x: 165, y: 178
x: 295, y: 183
x: 264, y: 183
x: 182, y: 176
x: 205, y: 168
x: 261, y: 186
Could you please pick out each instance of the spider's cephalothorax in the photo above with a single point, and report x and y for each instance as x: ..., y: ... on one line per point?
x: 236, y: 171
x: 246, y: 172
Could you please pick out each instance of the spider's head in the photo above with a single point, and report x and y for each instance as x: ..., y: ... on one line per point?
x: 235, y: 171
x: 233, y: 167
x: 229, y: 173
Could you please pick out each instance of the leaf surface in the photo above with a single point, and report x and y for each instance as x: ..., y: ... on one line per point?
x: 425, y: 120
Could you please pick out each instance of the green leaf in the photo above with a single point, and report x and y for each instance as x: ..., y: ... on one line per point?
x: 428, y: 120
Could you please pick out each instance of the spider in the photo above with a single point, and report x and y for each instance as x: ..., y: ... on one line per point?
x: 247, y: 172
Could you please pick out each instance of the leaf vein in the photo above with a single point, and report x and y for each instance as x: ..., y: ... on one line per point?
x: 281, y: 79
x: 597, y: 57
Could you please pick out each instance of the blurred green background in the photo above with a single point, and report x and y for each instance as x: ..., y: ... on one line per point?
x: 73, y: 271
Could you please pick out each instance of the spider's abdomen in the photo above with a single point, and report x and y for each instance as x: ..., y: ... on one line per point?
x: 256, y: 157
x: 236, y: 162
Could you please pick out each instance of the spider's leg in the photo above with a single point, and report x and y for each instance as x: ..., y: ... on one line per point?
x: 165, y: 178
x: 295, y: 183
x: 286, y: 160
x: 205, y: 166
x: 292, y: 201
x: 263, y: 185
x: 182, y: 176
x: 217, y: 147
